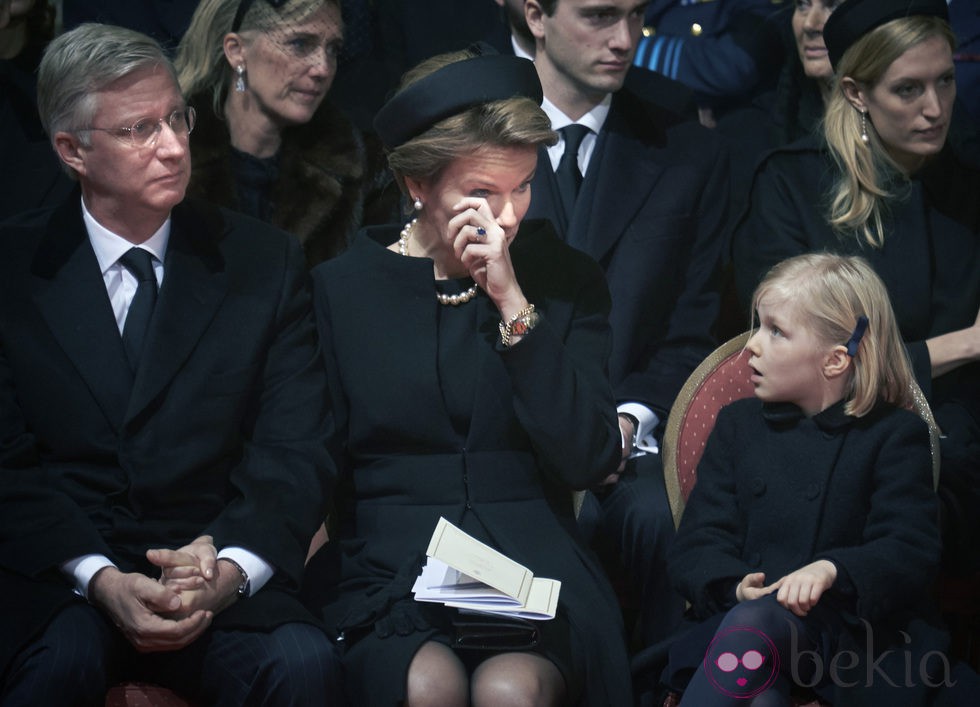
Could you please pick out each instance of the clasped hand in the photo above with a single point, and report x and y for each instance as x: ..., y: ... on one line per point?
x: 797, y: 591
x: 171, y: 612
x: 196, y: 574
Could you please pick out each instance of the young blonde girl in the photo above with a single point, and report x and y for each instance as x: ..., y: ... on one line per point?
x: 811, y: 534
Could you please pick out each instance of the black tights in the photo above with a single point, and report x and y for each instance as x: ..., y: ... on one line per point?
x: 757, y: 654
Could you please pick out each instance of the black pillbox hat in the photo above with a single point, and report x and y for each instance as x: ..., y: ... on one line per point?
x: 855, y: 18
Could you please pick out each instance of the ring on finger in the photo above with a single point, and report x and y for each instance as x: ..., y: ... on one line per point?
x: 481, y: 232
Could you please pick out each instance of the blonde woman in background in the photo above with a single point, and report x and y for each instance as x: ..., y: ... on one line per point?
x: 266, y: 141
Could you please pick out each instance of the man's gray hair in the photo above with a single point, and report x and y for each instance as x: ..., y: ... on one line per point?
x: 84, y: 61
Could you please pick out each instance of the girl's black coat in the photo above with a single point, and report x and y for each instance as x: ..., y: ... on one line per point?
x: 777, y: 491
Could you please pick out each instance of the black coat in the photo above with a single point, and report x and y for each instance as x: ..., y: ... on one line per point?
x: 652, y: 211
x: 221, y: 431
x: 777, y: 491
x: 542, y: 423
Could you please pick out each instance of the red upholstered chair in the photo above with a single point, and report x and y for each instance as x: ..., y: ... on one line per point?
x: 141, y: 694
x: 724, y: 377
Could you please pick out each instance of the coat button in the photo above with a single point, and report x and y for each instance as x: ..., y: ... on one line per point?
x: 812, y: 491
x: 755, y: 559
x: 758, y: 486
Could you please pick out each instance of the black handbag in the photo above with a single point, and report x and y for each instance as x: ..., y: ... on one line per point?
x: 490, y: 632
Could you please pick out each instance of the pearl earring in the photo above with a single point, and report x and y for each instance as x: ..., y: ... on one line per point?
x: 417, y: 204
x: 240, y: 79
x: 865, y: 138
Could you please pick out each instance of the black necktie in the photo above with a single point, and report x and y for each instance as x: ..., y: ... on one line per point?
x: 568, y: 176
x: 140, y: 263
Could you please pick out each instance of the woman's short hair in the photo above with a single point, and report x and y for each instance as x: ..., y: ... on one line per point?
x: 829, y: 293
x: 510, y: 122
x: 201, y: 63
x: 857, y: 199
x: 80, y: 63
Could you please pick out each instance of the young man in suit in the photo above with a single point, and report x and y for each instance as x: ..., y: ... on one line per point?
x: 162, y: 414
x: 651, y: 208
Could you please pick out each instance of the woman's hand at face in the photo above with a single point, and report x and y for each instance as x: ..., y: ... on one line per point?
x: 483, y: 248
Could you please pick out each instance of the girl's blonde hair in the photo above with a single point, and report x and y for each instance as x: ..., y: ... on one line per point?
x: 830, y: 292
x: 860, y: 194
x: 201, y: 63
x: 511, y: 122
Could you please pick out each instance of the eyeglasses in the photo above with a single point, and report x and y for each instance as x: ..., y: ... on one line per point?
x: 243, y: 8
x: 145, y: 131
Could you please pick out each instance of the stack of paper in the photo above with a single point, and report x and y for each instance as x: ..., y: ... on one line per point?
x: 467, y: 574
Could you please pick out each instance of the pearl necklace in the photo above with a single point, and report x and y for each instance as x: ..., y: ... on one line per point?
x: 454, y: 300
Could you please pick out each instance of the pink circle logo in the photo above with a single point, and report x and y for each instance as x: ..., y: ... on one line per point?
x: 733, y: 673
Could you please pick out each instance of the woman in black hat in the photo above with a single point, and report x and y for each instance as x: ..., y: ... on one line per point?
x: 467, y: 356
x: 885, y: 182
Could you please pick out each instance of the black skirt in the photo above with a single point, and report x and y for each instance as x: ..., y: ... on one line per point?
x: 397, y: 636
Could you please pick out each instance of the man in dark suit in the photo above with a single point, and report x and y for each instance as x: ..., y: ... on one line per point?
x: 652, y: 210
x: 512, y: 36
x: 162, y: 414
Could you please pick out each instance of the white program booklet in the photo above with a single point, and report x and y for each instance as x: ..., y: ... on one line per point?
x: 467, y: 574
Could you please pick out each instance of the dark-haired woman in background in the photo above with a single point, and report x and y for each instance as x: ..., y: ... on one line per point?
x: 794, y: 107
x: 805, y: 85
x: 466, y: 354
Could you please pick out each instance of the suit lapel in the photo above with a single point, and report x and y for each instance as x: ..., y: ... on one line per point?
x: 622, y: 173
x: 194, y: 285
x: 70, y: 293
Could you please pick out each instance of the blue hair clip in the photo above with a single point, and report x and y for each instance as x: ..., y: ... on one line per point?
x: 856, y: 336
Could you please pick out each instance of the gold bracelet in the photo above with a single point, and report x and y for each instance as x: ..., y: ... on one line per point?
x: 518, y: 325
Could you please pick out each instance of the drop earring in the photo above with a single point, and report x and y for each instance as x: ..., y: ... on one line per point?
x: 865, y: 138
x: 240, y: 78
x: 417, y: 204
